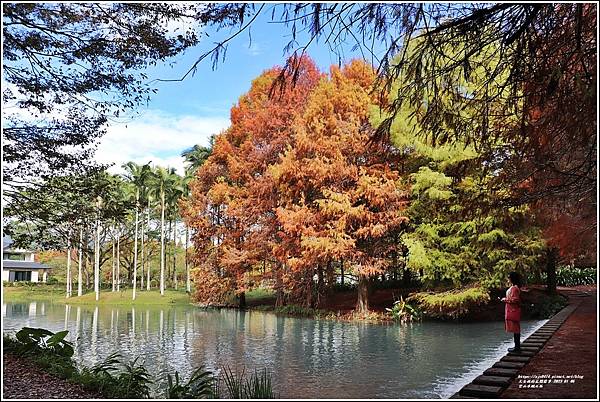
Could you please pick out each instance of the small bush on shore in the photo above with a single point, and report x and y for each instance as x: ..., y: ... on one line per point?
x: 403, y: 312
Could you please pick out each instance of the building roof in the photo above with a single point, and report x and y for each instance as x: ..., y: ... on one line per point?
x: 23, y: 265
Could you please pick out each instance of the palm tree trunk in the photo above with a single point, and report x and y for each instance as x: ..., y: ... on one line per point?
x: 187, y: 265
x: 69, y: 283
x: 142, y: 254
x: 148, y: 257
x: 114, y: 282
x: 79, y: 279
x: 97, y: 262
x: 135, y: 241
x: 168, y: 251
x: 175, y: 253
x: 119, y: 260
x: 162, y: 242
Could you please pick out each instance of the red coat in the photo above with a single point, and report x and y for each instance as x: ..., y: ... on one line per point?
x: 512, y: 310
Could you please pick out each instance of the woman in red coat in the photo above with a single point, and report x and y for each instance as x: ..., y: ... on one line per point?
x: 512, y: 310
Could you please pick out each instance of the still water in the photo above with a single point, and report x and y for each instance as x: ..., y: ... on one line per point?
x: 307, y: 358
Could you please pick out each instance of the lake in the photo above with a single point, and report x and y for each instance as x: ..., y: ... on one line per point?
x: 307, y: 358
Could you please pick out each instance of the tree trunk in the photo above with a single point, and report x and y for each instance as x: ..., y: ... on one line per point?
x: 80, y: 265
x: 69, y: 282
x: 320, y: 286
x: 243, y: 300
x: 148, y: 256
x: 362, y: 303
x: 135, y: 241
x: 97, y: 262
x: 168, y: 252
x: 188, y: 286
x: 406, y: 277
x: 114, y: 262
x: 142, y: 254
x: 551, y: 260
x: 279, y: 288
x: 162, y: 242
x: 87, y: 261
x: 119, y: 261
x: 175, y: 253
x: 309, y: 291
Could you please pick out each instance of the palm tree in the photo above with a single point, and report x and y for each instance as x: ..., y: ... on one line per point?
x: 185, y: 182
x: 174, y: 194
x: 161, y: 183
x: 138, y: 176
x: 196, y: 156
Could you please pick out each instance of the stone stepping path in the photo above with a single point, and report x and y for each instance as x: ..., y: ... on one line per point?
x: 497, y: 378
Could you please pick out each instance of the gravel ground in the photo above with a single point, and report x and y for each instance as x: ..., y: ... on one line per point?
x: 22, y: 380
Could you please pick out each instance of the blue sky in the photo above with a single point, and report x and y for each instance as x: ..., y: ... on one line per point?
x: 184, y: 113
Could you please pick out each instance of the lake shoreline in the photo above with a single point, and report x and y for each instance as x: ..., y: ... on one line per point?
x: 340, y: 307
x: 183, y: 337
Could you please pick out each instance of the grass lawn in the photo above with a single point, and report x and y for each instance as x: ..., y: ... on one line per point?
x: 124, y: 297
x: 141, y: 297
x: 25, y: 293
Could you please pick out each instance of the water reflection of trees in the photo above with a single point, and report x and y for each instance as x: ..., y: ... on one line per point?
x: 360, y: 360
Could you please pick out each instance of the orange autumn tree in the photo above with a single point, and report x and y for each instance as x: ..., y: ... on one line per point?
x: 338, y: 199
x: 232, y: 202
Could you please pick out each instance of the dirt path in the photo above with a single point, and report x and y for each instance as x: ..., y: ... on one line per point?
x: 22, y: 380
x: 572, y: 350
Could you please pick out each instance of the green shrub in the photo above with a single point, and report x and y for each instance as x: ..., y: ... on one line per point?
x: 52, y: 280
x: 571, y: 276
x: 200, y: 385
x: 452, y: 304
x: 115, y: 378
x: 404, y: 312
x: 568, y: 276
x: 36, y: 340
x: 238, y: 386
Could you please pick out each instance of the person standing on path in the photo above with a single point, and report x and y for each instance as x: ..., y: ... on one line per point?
x: 512, y: 310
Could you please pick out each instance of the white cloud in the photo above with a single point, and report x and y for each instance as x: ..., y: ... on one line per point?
x: 255, y: 49
x: 157, y: 137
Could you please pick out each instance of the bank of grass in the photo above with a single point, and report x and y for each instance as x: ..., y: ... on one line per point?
x: 32, y: 292
x: 56, y: 293
x: 125, y: 297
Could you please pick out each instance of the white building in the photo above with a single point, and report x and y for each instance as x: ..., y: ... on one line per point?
x: 19, y: 264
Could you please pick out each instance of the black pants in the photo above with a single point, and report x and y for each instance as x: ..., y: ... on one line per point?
x: 517, y: 341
